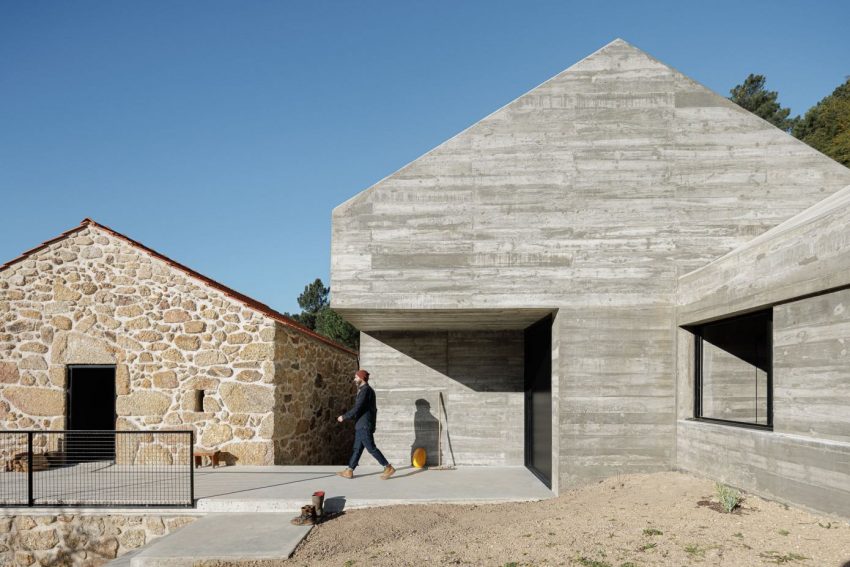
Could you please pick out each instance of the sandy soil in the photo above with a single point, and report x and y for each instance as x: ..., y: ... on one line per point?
x: 630, y: 521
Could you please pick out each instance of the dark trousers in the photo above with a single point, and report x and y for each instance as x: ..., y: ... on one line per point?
x: 363, y: 439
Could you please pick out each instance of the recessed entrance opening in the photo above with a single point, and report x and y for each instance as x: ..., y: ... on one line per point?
x: 538, y: 399
x: 91, y: 410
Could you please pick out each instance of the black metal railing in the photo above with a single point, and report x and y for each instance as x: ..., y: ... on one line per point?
x: 96, y: 468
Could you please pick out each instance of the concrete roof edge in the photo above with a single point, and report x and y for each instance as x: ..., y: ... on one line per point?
x: 614, y: 43
x: 837, y: 200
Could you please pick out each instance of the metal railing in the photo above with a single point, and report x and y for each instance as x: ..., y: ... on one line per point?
x: 97, y: 468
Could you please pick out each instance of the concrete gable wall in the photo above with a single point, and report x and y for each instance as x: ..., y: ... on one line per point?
x: 589, y: 195
x: 607, y: 181
x: 801, y: 268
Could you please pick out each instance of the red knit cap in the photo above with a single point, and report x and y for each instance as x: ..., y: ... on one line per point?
x: 362, y: 374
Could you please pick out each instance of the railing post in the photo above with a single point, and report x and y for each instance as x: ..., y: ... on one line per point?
x: 30, y: 499
x: 192, y: 468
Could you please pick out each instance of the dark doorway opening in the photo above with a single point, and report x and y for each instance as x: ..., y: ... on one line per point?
x: 91, y: 413
x: 538, y: 399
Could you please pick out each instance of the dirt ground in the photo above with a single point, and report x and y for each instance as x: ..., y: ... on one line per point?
x: 630, y: 521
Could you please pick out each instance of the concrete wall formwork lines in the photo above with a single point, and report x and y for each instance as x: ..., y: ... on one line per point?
x: 480, y: 375
x: 589, y: 196
x: 789, y: 468
x: 805, y: 459
x: 812, y: 368
x: 615, y: 392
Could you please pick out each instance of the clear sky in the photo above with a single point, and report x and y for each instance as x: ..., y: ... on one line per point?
x: 223, y: 133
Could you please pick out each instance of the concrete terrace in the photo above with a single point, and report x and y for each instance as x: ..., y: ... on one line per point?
x: 245, y: 510
x: 278, y: 489
x: 271, y: 488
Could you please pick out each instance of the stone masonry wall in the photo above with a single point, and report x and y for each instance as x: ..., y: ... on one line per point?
x: 92, y: 298
x: 313, y: 383
x: 78, y: 540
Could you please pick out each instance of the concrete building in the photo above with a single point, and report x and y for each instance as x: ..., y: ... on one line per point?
x: 99, y: 332
x: 536, y: 289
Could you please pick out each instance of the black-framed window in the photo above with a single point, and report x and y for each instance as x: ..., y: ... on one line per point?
x: 734, y: 370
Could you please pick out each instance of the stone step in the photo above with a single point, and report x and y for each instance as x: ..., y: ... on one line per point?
x: 250, y: 539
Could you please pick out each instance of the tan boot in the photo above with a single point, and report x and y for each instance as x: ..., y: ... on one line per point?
x: 388, y: 472
x: 347, y: 473
x: 307, y: 517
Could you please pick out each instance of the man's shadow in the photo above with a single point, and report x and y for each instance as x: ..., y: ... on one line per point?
x: 426, y: 430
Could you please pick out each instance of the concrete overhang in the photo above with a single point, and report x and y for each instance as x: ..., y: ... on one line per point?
x: 807, y: 255
x: 444, y: 319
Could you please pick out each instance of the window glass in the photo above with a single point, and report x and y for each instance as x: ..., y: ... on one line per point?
x: 735, y: 369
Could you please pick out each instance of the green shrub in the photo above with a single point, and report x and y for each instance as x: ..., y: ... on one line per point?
x: 729, y: 498
x: 585, y: 562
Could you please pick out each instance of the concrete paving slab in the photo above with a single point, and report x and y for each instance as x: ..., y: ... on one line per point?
x: 231, y: 538
x: 286, y: 489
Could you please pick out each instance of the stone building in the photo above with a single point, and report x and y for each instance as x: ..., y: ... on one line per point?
x: 98, y: 331
x: 619, y: 271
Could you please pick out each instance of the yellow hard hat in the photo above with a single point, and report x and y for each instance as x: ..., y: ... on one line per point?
x: 419, y: 458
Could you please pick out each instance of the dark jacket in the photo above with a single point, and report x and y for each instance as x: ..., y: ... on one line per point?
x: 365, y: 410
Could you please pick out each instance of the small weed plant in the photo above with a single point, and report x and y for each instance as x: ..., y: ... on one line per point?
x: 730, y: 499
x: 780, y: 558
x: 694, y: 550
x: 652, y: 532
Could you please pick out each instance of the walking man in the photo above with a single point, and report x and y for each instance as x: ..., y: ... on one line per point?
x: 365, y: 414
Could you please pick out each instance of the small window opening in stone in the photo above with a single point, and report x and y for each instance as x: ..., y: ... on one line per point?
x: 199, y: 400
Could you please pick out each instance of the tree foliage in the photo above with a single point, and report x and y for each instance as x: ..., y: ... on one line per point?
x: 317, y: 315
x: 753, y: 96
x: 330, y: 324
x: 312, y: 300
x: 826, y: 126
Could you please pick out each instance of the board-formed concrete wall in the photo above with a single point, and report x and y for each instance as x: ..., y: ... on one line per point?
x: 480, y: 376
x: 590, y: 195
x: 804, y: 460
x: 811, y: 367
x: 795, y: 270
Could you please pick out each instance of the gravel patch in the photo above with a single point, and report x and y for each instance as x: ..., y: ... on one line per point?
x: 627, y: 521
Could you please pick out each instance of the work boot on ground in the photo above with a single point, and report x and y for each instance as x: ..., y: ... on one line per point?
x: 388, y: 472
x: 347, y: 473
x: 307, y: 517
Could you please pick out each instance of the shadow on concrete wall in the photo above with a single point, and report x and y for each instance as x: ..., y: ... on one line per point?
x: 426, y: 432
x: 482, y: 361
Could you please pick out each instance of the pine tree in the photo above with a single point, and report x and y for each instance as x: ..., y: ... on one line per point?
x: 317, y: 315
x: 826, y: 126
x: 753, y: 96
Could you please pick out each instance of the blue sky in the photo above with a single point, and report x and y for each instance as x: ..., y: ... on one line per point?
x: 223, y: 133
